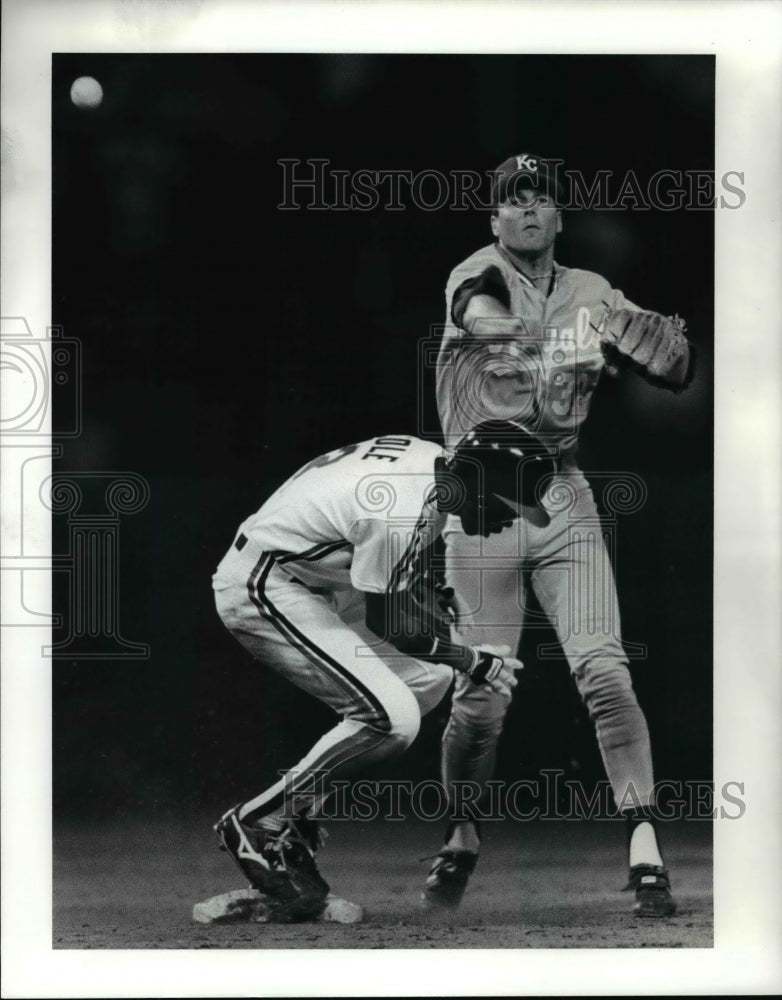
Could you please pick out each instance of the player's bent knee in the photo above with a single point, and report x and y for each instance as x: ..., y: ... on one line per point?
x: 477, y: 716
x: 405, y: 726
x: 431, y: 693
x: 398, y: 719
x: 397, y: 738
x: 605, y: 685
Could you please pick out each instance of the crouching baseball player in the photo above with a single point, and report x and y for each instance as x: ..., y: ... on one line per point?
x: 326, y: 584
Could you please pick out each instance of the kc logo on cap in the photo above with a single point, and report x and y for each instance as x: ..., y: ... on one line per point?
x: 525, y: 170
x: 526, y: 162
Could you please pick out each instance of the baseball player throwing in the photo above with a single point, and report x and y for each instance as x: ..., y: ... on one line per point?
x: 527, y: 340
x: 327, y: 585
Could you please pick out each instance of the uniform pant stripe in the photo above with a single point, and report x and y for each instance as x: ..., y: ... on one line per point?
x: 255, y: 588
x: 292, y: 636
x: 337, y: 756
x: 316, y: 552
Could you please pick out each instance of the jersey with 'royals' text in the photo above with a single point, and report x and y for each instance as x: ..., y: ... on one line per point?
x: 543, y: 379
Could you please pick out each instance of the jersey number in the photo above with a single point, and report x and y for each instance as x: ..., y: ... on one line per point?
x: 563, y: 387
x: 328, y: 459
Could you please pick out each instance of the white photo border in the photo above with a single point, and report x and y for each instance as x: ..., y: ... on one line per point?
x: 745, y: 38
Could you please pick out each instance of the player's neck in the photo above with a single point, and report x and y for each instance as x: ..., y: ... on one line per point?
x: 533, y: 266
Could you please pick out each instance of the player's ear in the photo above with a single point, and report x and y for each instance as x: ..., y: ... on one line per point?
x: 494, y: 223
x: 559, y: 220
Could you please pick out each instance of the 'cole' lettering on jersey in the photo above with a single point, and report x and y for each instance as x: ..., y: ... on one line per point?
x: 383, y: 448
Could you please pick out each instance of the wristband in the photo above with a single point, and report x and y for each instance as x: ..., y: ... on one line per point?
x: 481, y: 667
x: 486, y: 667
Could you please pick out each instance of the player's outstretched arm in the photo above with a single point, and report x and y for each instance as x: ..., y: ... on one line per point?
x: 500, y: 352
x: 421, y: 630
x: 486, y: 318
x: 480, y: 307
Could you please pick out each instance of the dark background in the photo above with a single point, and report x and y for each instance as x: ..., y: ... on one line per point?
x: 226, y: 342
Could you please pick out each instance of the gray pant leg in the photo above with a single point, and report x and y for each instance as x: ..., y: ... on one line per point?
x: 574, y: 583
x: 486, y: 574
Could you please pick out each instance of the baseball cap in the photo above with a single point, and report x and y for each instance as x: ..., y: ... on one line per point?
x: 526, y: 170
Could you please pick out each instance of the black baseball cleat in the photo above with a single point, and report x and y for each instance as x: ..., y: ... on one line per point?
x: 280, y: 865
x: 448, y: 879
x: 312, y: 833
x: 652, y: 891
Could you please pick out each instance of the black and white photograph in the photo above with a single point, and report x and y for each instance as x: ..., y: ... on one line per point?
x: 371, y: 525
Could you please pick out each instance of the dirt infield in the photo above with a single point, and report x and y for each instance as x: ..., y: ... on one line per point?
x: 538, y: 885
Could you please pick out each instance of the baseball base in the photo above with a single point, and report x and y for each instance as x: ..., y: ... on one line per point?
x: 251, y: 907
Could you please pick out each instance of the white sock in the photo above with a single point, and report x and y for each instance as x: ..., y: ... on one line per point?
x: 464, y: 837
x: 643, y: 846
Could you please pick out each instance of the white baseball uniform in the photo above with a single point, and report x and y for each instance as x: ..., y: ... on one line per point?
x: 291, y: 588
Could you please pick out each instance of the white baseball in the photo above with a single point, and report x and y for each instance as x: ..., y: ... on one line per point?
x: 86, y: 92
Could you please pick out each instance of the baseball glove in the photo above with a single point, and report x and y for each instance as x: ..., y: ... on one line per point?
x: 651, y: 344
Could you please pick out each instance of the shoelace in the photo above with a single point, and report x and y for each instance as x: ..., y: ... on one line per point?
x: 313, y: 838
x: 279, y: 845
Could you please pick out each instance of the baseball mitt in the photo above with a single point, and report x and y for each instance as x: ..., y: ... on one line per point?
x: 649, y: 343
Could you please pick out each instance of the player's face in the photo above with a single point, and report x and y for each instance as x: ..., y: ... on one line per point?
x: 528, y: 223
x: 496, y: 515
